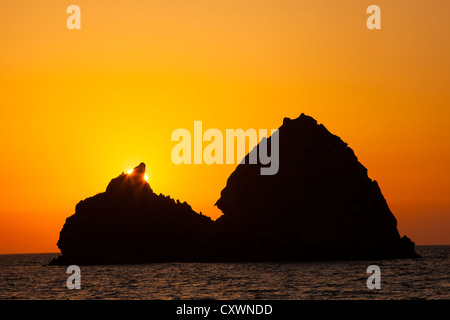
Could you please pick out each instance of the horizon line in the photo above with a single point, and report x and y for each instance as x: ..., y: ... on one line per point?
x: 417, y: 245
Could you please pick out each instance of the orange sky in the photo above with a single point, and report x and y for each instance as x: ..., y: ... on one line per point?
x: 78, y: 107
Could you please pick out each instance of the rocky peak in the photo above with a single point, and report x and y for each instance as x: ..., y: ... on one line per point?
x: 131, y: 185
x: 139, y: 170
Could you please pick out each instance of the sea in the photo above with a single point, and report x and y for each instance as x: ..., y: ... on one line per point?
x: 29, y: 277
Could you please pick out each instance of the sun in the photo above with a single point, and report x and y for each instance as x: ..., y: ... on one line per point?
x: 145, y: 175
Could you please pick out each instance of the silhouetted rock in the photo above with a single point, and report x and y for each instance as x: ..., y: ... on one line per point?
x: 320, y: 205
x: 129, y: 223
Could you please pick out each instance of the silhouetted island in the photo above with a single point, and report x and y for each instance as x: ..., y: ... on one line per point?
x: 321, y: 205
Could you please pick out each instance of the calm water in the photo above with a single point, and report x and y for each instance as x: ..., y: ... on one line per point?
x: 26, y: 276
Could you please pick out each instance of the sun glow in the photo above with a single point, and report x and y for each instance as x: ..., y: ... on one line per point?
x: 145, y: 175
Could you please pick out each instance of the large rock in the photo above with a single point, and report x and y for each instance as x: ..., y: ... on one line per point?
x: 320, y: 205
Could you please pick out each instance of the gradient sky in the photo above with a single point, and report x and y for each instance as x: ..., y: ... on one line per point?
x: 78, y: 107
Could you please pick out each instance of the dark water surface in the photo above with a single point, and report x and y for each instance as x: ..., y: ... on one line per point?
x: 26, y: 276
